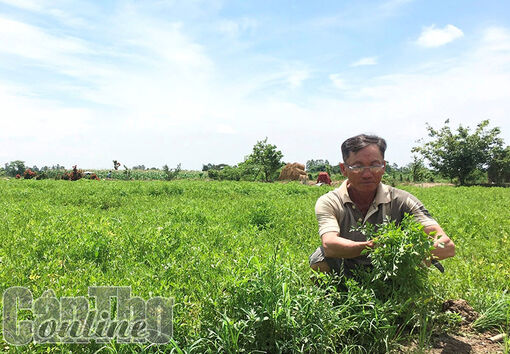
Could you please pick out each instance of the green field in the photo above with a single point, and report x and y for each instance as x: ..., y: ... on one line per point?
x: 234, y: 255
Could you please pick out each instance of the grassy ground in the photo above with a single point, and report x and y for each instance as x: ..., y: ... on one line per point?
x: 234, y: 255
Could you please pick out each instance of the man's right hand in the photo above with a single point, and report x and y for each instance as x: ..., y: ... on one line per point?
x: 335, y: 246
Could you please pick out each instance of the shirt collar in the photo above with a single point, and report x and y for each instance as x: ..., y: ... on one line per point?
x: 382, y: 195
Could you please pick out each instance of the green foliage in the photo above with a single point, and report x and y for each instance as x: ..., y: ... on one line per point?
x: 496, y: 313
x: 225, y: 173
x: 234, y: 255
x: 458, y: 155
x: 29, y: 174
x: 499, y: 167
x: 269, y: 308
x: 418, y: 170
x: 211, y: 166
x: 397, y: 259
x: 14, y: 168
x: 318, y: 166
x: 127, y: 172
x: 170, y: 173
x: 262, y: 215
x: 266, y: 159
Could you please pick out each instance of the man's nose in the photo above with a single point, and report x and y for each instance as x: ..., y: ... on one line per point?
x: 366, y: 172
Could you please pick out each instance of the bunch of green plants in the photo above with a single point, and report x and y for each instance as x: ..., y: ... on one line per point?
x: 399, y: 278
x: 398, y: 258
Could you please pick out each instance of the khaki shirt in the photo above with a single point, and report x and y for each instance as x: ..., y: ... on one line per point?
x: 336, y: 212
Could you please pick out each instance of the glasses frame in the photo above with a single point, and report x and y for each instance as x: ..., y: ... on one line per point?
x: 360, y: 169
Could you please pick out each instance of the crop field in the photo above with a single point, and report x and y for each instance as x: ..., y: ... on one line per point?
x: 234, y: 256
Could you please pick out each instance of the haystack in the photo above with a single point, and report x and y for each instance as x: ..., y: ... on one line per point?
x: 293, y: 172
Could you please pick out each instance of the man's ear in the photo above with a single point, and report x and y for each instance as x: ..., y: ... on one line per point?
x: 343, y: 169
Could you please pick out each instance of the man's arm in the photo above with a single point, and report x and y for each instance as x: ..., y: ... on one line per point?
x: 336, y: 246
x: 443, y: 246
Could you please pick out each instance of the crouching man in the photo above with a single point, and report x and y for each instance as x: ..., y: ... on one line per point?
x: 363, y: 198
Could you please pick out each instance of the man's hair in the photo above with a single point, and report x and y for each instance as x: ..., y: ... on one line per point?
x: 358, y: 142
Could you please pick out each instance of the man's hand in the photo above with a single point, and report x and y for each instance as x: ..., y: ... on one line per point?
x: 443, y: 245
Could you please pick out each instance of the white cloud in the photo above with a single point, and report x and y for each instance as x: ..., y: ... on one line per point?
x: 365, y: 61
x: 338, y: 82
x: 496, y: 39
x: 234, y: 28
x: 34, y: 43
x: 24, y: 4
x: 295, y: 78
x: 45, y: 7
x: 32, y: 117
x: 436, y: 37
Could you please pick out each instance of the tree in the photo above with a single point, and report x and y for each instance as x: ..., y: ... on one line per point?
x: 211, y: 166
x: 458, y: 155
x: 266, y: 158
x: 14, y: 168
x: 499, y: 167
x: 417, y: 169
x: 171, y: 173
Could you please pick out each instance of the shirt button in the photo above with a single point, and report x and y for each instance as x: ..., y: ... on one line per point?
x: 354, y: 206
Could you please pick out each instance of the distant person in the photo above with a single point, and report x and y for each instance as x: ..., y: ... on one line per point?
x: 109, y: 175
x: 363, y: 198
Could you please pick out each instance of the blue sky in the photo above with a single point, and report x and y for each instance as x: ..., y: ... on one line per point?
x: 197, y: 82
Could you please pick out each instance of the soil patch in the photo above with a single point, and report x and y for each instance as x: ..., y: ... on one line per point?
x: 465, y: 340
x: 462, y: 308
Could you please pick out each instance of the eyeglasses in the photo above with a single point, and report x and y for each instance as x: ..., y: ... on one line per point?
x: 359, y: 169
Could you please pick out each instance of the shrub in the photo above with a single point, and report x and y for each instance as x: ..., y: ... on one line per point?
x: 29, y: 174
x: 74, y: 175
x: 41, y: 175
x: 171, y: 173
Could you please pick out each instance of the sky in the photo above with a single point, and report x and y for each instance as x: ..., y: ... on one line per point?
x: 201, y: 81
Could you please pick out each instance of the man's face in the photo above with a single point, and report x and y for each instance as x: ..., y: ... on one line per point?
x: 364, y: 180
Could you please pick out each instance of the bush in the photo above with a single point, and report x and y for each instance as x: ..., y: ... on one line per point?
x: 29, y: 174
x: 227, y: 173
x: 171, y: 173
x: 74, y: 175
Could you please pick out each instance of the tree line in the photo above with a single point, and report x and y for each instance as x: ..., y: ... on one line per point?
x: 463, y: 156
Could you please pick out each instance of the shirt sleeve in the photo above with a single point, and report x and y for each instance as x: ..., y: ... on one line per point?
x: 418, y: 210
x: 326, y: 217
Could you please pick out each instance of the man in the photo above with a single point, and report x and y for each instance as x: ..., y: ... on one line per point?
x: 363, y: 198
